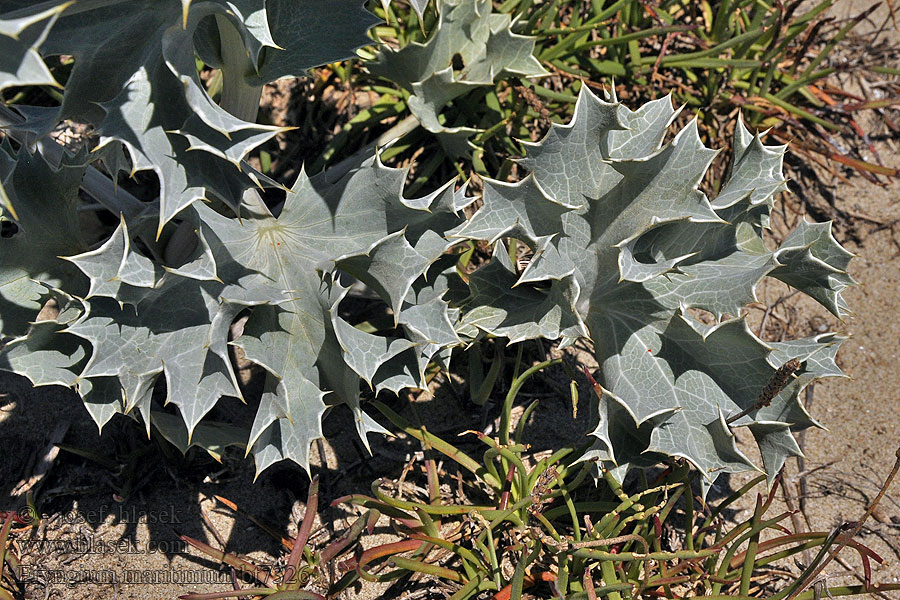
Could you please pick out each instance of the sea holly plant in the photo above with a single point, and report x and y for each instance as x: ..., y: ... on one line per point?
x: 625, y: 248
x: 142, y: 317
x: 155, y: 301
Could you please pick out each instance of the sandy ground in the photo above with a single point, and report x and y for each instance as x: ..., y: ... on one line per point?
x: 92, y: 536
x: 862, y: 442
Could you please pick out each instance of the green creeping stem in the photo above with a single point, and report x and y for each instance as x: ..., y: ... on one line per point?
x: 691, y: 57
x: 637, y: 35
x: 4, y: 595
x: 799, y: 84
x: 627, y: 502
x: 550, y: 94
x: 519, y: 576
x: 427, y: 522
x: 812, y: 567
x: 615, y: 486
x: 520, y: 426
x: 582, y: 507
x: 606, y: 590
x: 501, y: 516
x: 472, y: 587
x: 517, y: 383
x: 573, y: 514
x: 689, y: 516
x: 638, y: 516
x: 609, y: 577
x: 754, y: 530
x: 811, y: 540
x: 550, y: 528
x: 752, y: 546
x: 524, y: 7
x: 383, y: 507
x: 553, y: 459
x: 492, y: 555
x: 408, y: 564
x: 427, y: 508
x: 725, y: 504
x: 295, y: 595
x: 488, y: 461
x: 440, y: 445
x: 589, y: 25
x: 602, y: 555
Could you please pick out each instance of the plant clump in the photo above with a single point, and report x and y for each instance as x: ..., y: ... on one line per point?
x: 625, y: 246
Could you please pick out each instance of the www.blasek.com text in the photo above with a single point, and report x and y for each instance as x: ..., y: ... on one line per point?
x: 92, y: 545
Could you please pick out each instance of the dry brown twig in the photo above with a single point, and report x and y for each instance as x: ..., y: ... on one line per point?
x: 779, y: 379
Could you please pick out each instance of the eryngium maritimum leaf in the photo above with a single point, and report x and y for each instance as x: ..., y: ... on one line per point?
x: 614, y: 216
x: 467, y: 32
x: 135, y: 78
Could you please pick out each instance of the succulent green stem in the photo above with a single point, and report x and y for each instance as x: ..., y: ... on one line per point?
x: 438, y: 444
x: 631, y: 556
x: 750, y: 559
x: 427, y: 569
x: 517, y: 383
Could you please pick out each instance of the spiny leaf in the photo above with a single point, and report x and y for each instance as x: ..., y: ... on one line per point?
x: 20, y: 59
x: 467, y: 32
x: 211, y: 437
x: 519, y: 313
x: 362, y: 223
x: 417, y: 5
x: 313, y: 33
x: 816, y: 264
x: 46, y: 356
x: 135, y: 79
x: 178, y: 328
x: 45, y: 201
x: 286, y: 434
x: 102, y: 398
x: 611, y: 205
x: 625, y: 246
x: 20, y: 41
